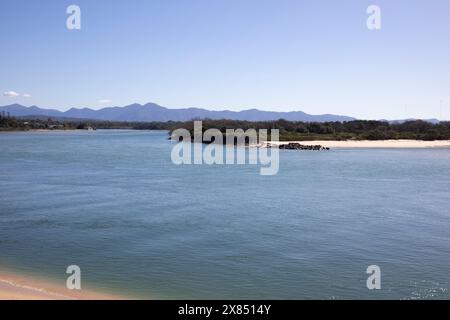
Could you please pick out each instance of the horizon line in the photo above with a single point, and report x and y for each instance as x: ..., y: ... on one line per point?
x: 209, y: 110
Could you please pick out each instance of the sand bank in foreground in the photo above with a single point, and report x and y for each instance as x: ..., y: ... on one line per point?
x: 15, y: 287
x: 375, y: 144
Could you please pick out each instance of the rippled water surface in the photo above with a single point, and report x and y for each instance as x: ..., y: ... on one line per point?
x: 113, y: 203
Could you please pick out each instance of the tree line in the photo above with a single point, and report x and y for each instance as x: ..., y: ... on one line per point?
x: 349, y: 130
x: 289, y: 130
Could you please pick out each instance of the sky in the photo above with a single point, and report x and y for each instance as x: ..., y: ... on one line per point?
x: 317, y: 56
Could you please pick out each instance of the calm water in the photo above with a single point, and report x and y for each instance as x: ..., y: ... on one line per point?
x: 113, y: 203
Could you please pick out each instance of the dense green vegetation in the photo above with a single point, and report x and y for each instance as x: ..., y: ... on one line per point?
x: 14, y: 124
x: 289, y: 130
x: 40, y: 123
x: 351, y: 130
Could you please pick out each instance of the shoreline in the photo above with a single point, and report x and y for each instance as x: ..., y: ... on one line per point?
x: 369, y: 143
x: 400, y: 143
x: 22, y: 287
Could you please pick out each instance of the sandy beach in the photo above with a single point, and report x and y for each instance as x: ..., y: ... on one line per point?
x: 18, y: 287
x: 374, y: 144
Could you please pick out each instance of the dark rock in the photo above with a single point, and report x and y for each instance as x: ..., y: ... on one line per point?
x: 298, y: 146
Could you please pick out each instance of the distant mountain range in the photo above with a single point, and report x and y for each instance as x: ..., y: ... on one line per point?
x: 433, y: 121
x: 154, y: 112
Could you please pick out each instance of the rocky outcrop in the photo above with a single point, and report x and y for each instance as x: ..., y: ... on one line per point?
x: 297, y: 146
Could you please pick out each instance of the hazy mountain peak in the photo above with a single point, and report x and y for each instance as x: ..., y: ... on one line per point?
x: 154, y: 112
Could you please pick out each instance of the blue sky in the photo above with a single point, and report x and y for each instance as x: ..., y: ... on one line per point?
x: 316, y: 56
